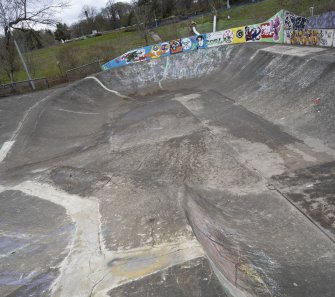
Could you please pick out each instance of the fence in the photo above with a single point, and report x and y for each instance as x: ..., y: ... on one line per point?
x: 23, y: 86
x: 83, y: 70
x: 20, y: 87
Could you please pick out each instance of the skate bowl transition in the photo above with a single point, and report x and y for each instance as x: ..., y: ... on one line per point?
x: 210, y: 173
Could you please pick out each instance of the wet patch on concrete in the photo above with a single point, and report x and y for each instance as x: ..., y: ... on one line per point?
x: 37, y: 286
x: 282, y: 240
x: 190, y: 279
x: 78, y: 180
x: 34, y: 237
x: 312, y: 189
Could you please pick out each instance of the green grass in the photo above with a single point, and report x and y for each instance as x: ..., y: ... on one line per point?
x: 103, y: 47
x: 112, y: 44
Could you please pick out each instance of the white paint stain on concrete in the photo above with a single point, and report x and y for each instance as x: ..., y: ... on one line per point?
x: 91, y: 270
x: 5, y: 149
x: 107, y: 89
x: 298, y: 51
x: 77, y: 112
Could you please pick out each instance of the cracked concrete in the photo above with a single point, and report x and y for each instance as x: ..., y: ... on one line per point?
x: 192, y: 175
x: 88, y: 256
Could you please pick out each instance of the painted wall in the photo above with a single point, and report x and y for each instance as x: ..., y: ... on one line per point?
x: 284, y: 27
x: 270, y: 31
x: 299, y: 30
x: 323, y: 21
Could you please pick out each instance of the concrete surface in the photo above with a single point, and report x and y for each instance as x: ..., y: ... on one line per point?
x: 204, y: 174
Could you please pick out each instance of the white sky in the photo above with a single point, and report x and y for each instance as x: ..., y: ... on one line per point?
x: 71, y: 14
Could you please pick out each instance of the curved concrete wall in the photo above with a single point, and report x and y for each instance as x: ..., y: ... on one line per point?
x: 280, y: 83
x: 290, y: 86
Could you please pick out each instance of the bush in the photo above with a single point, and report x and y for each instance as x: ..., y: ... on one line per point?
x: 68, y: 57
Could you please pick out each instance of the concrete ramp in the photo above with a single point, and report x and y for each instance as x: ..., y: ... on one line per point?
x: 209, y: 173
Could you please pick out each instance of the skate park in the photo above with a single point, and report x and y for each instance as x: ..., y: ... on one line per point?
x: 207, y: 173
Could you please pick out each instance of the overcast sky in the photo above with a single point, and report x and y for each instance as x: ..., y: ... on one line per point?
x: 71, y: 14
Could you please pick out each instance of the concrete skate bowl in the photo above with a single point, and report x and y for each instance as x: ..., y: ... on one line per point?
x: 202, y: 174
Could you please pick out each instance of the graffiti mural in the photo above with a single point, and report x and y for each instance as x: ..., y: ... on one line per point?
x: 220, y: 38
x: 201, y: 41
x: 193, y: 43
x: 253, y: 33
x: 284, y: 27
x: 305, y: 37
x: 135, y: 56
x: 230, y: 36
x: 323, y: 21
x: 327, y: 37
x: 310, y: 37
x: 175, y: 46
x: 239, y: 35
x: 187, y: 44
x: 158, y: 50
x: 270, y: 31
x: 294, y: 22
x: 215, y: 39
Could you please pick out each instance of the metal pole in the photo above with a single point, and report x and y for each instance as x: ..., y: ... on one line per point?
x: 311, y: 11
x: 23, y: 62
x: 18, y: 50
x: 214, y: 23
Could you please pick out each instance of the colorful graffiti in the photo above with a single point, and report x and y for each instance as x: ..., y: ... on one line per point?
x: 239, y: 35
x: 310, y: 37
x: 284, y: 27
x: 230, y: 36
x: 294, y: 22
x: 323, y: 21
x: 305, y: 37
x: 201, y: 41
x: 215, y: 39
x: 175, y: 46
x: 270, y: 31
x: 159, y: 50
x: 188, y: 44
x: 253, y: 33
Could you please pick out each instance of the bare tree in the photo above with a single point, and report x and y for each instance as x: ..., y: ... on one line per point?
x: 24, y: 15
x: 8, y: 58
x: 89, y: 12
x: 144, y: 16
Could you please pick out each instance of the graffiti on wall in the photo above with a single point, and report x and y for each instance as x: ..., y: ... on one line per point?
x: 175, y: 46
x: 253, y: 33
x: 319, y: 37
x: 220, y: 38
x: 158, y: 50
x: 188, y: 44
x: 305, y: 37
x: 284, y: 27
x: 270, y: 31
x: 294, y: 22
x: 201, y: 41
x: 239, y: 35
x: 323, y: 21
x: 326, y: 37
x: 230, y: 36
x: 215, y: 39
